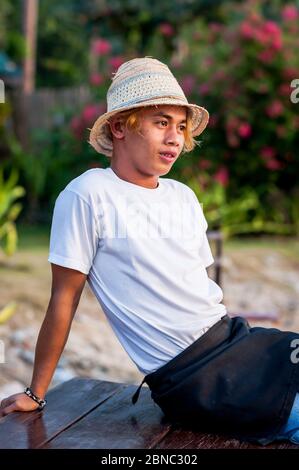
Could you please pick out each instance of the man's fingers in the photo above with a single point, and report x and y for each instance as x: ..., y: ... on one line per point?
x: 17, y: 402
x: 5, y: 403
x: 8, y: 409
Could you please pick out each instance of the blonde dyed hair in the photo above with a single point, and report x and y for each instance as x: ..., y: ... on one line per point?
x: 133, y: 123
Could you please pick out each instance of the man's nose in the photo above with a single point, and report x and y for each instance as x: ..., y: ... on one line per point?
x: 173, y: 136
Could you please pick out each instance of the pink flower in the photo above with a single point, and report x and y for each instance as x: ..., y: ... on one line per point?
x: 166, y: 29
x: 213, y: 120
x: 272, y: 28
x: 88, y: 116
x: 204, y: 164
x: 275, y: 109
x: 231, y: 93
x: 77, y: 127
x: 268, y: 153
x: 284, y: 89
x: 273, y: 164
x: 101, y: 47
x: 188, y: 83
x: 246, y: 30
x: 289, y: 73
x: 269, y: 35
x: 290, y: 13
x: 233, y: 140
x: 277, y: 43
x: 215, y: 27
x: 262, y: 37
x: 96, y: 79
x: 222, y: 176
x: 90, y: 112
x: 204, y: 89
x: 116, y: 61
x: 245, y: 130
x: 267, y: 56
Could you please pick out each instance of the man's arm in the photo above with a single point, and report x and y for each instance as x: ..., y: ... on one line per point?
x: 67, y: 286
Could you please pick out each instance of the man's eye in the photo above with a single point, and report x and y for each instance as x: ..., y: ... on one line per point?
x: 182, y: 127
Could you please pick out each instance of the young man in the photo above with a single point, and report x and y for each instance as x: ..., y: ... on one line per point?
x: 140, y: 242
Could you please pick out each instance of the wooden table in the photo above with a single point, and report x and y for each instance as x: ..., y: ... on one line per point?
x: 92, y: 414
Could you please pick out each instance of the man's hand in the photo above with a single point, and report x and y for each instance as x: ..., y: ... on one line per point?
x: 17, y: 402
x: 67, y: 286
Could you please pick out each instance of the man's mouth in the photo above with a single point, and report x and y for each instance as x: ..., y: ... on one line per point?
x: 167, y: 156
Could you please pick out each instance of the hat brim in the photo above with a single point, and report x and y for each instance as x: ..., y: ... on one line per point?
x: 100, y: 136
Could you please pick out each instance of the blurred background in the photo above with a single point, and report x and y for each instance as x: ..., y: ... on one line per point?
x: 240, y: 60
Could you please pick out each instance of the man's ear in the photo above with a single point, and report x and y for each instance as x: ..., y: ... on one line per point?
x: 117, y: 127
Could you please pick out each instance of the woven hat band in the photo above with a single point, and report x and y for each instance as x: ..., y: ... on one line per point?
x: 143, y: 87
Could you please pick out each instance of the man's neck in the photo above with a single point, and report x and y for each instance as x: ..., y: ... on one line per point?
x: 150, y: 182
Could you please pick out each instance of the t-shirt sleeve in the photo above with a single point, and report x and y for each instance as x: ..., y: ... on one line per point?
x: 74, y: 234
x: 205, y: 250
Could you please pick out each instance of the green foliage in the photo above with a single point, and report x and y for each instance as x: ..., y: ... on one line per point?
x: 5, y: 10
x: 56, y: 158
x: 236, y: 59
x: 242, y: 215
x: 11, y: 38
x: 9, y: 210
x: 62, y: 57
x: 32, y: 166
x: 65, y: 28
x: 5, y: 112
x: 62, y: 40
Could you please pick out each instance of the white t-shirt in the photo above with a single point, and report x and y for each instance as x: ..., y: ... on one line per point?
x: 145, y: 252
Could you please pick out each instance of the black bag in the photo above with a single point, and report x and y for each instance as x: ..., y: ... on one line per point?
x: 235, y: 379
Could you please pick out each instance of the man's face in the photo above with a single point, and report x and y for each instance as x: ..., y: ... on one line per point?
x: 153, y: 150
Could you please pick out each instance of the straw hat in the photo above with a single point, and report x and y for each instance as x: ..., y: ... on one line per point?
x: 137, y: 83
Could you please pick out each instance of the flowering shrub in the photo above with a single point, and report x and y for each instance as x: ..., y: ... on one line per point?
x: 241, y: 70
x: 104, y: 64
